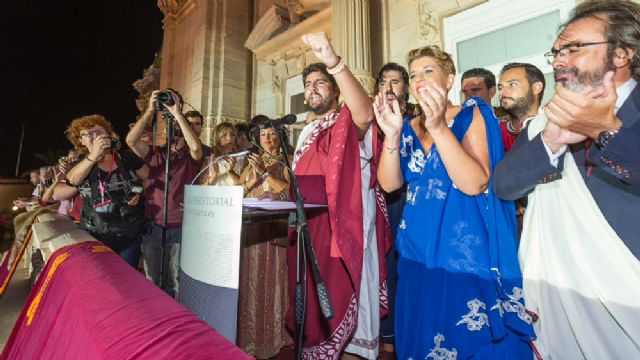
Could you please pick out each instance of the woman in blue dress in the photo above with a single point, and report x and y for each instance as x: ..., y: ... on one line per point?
x: 459, y: 292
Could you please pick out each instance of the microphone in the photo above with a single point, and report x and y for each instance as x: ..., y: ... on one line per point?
x: 260, y: 122
x: 288, y: 119
x: 235, y: 154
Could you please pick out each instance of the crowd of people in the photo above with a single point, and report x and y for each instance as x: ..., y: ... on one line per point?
x: 449, y: 232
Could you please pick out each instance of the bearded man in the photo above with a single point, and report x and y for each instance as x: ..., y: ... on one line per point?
x: 335, y: 164
x: 521, y: 88
x: 578, y: 161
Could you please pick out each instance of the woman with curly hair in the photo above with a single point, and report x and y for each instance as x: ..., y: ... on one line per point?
x: 111, y: 208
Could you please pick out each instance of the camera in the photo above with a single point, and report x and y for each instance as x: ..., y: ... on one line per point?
x: 164, y: 97
x: 130, y: 213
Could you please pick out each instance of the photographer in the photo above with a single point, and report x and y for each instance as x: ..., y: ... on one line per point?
x: 34, y: 179
x: 186, y: 156
x: 112, y: 210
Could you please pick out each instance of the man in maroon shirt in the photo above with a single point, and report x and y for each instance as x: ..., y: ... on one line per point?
x: 521, y: 88
x: 186, y: 157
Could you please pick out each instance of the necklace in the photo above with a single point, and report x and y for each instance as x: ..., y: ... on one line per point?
x: 511, y: 130
x: 270, y: 159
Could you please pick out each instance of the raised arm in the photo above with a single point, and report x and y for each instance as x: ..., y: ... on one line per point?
x: 133, y: 137
x: 190, y: 137
x: 352, y: 92
x: 48, y: 193
x: 389, y: 119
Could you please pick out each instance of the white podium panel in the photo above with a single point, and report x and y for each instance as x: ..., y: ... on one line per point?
x: 210, y: 255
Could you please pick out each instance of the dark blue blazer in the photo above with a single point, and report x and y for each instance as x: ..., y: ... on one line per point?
x: 614, y: 182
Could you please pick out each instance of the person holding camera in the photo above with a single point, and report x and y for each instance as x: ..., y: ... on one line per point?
x: 186, y: 157
x: 112, y: 209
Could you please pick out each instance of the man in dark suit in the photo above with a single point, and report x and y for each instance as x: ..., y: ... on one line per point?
x: 603, y: 133
x: 581, y: 240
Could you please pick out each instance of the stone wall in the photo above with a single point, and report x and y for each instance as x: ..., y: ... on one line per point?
x: 204, y: 57
x: 231, y: 58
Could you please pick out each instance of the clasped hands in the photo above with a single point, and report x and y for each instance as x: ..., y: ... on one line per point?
x: 576, y: 116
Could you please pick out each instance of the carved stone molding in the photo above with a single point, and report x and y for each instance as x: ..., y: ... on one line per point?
x: 288, y: 44
x: 173, y: 9
x: 150, y: 81
x: 428, y: 29
x: 169, y: 7
x: 292, y: 7
x: 304, y: 6
x: 272, y: 20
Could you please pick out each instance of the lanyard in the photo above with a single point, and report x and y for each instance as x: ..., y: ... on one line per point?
x: 101, y: 184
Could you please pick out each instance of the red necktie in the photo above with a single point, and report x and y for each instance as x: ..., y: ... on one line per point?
x: 588, y: 164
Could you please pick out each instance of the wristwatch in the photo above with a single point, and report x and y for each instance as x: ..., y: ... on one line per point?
x: 605, y: 136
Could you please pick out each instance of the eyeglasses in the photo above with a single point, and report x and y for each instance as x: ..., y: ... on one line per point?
x: 570, y: 49
x: 94, y: 133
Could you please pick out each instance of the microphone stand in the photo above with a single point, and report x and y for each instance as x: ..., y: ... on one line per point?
x: 167, y: 178
x: 305, y: 248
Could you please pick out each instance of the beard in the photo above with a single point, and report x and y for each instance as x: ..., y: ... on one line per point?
x: 390, y: 96
x: 578, y: 80
x: 521, y: 106
x: 322, y: 106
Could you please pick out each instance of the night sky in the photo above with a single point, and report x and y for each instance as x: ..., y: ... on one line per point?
x: 65, y: 59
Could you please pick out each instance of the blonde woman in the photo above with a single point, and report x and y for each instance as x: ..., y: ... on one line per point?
x: 459, y: 291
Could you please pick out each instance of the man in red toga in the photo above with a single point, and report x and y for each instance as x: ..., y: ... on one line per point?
x: 334, y: 160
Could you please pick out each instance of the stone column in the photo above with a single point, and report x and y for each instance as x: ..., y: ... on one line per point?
x: 170, y: 10
x: 351, y: 38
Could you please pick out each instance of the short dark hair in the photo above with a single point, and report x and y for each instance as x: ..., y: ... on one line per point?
x: 242, y: 128
x: 318, y: 67
x: 395, y: 67
x: 532, y: 72
x: 194, y: 113
x: 486, y: 75
x: 621, y: 20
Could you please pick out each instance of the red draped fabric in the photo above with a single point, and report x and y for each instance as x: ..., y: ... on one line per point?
x: 328, y: 166
x: 89, y: 304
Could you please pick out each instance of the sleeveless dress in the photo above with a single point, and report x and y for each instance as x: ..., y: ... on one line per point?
x: 459, y: 284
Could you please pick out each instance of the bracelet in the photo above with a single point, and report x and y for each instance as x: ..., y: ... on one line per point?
x: 336, y: 69
x: 93, y: 161
x: 392, y: 149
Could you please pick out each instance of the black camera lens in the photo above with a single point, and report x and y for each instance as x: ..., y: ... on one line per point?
x: 48, y: 182
x: 165, y: 97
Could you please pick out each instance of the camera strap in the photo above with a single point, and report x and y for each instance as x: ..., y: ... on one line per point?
x: 98, y: 187
x: 101, y: 184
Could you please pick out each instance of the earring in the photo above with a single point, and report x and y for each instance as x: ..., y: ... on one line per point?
x: 305, y: 102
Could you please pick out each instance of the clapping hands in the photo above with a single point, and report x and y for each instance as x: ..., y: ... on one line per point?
x: 433, y: 100
x: 388, y: 115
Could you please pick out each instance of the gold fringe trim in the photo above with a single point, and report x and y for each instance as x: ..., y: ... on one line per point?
x: 100, y: 248
x: 17, y: 259
x: 33, y: 307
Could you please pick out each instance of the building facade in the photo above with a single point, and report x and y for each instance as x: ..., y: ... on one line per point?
x: 233, y: 59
